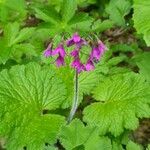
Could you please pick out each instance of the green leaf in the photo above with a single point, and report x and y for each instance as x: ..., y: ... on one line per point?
x: 25, y: 92
x: 76, y: 135
x: 87, y: 81
x: 100, y: 26
x: 48, y: 14
x: 109, y: 65
x: 142, y: 19
x: 19, y: 50
x: 120, y: 8
x: 116, y: 60
x: 50, y: 148
x: 81, y: 21
x: 68, y: 10
x: 24, y: 34
x: 123, y: 48
x: 10, y: 33
x: 18, y: 5
x: 116, y: 145
x: 133, y: 146
x: 123, y: 99
x: 15, y: 40
x: 13, y: 35
x: 148, y: 148
x: 12, y: 10
x: 4, y: 51
x: 144, y: 63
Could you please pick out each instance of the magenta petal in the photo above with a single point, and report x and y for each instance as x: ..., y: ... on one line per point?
x: 47, y: 53
x: 69, y: 42
x: 60, y: 61
x: 75, y: 53
x: 89, y: 66
x: 80, y: 68
x: 75, y: 63
x: 76, y: 38
x: 96, y: 53
x: 81, y: 43
x: 59, y: 50
x: 78, y: 65
x: 62, y: 51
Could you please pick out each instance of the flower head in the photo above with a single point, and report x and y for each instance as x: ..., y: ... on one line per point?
x: 94, y: 56
x: 60, y: 61
x: 98, y: 51
x: 89, y: 65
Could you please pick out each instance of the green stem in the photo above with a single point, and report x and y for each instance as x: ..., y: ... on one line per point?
x: 75, y: 98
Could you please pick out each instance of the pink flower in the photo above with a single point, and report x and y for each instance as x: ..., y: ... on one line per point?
x: 76, y: 40
x: 78, y: 65
x: 75, y: 63
x: 81, y: 43
x: 80, y: 68
x: 95, y: 54
x: 75, y: 53
x: 48, y: 51
x: 98, y: 51
x: 59, y: 50
x: 69, y: 42
x: 89, y: 65
x: 60, y: 61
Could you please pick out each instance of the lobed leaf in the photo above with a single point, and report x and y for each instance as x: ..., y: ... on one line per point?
x: 77, y: 136
x: 120, y: 8
x: 68, y: 9
x: 26, y: 92
x: 142, y: 19
x: 123, y: 99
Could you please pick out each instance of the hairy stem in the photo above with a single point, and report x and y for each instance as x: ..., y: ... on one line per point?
x: 75, y: 98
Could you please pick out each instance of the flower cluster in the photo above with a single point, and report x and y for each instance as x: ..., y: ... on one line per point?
x: 76, y: 41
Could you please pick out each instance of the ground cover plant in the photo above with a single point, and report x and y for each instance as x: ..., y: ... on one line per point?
x: 74, y: 74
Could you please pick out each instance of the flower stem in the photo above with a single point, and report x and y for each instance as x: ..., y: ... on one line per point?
x: 75, y: 98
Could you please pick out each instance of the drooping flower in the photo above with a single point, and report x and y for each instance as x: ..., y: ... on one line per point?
x: 98, y: 51
x: 81, y: 68
x: 78, y: 65
x: 75, y: 63
x: 89, y: 65
x: 81, y: 43
x: 95, y: 54
x: 59, y: 50
x: 75, y: 53
x: 60, y: 61
x: 76, y: 40
x: 48, y: 51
